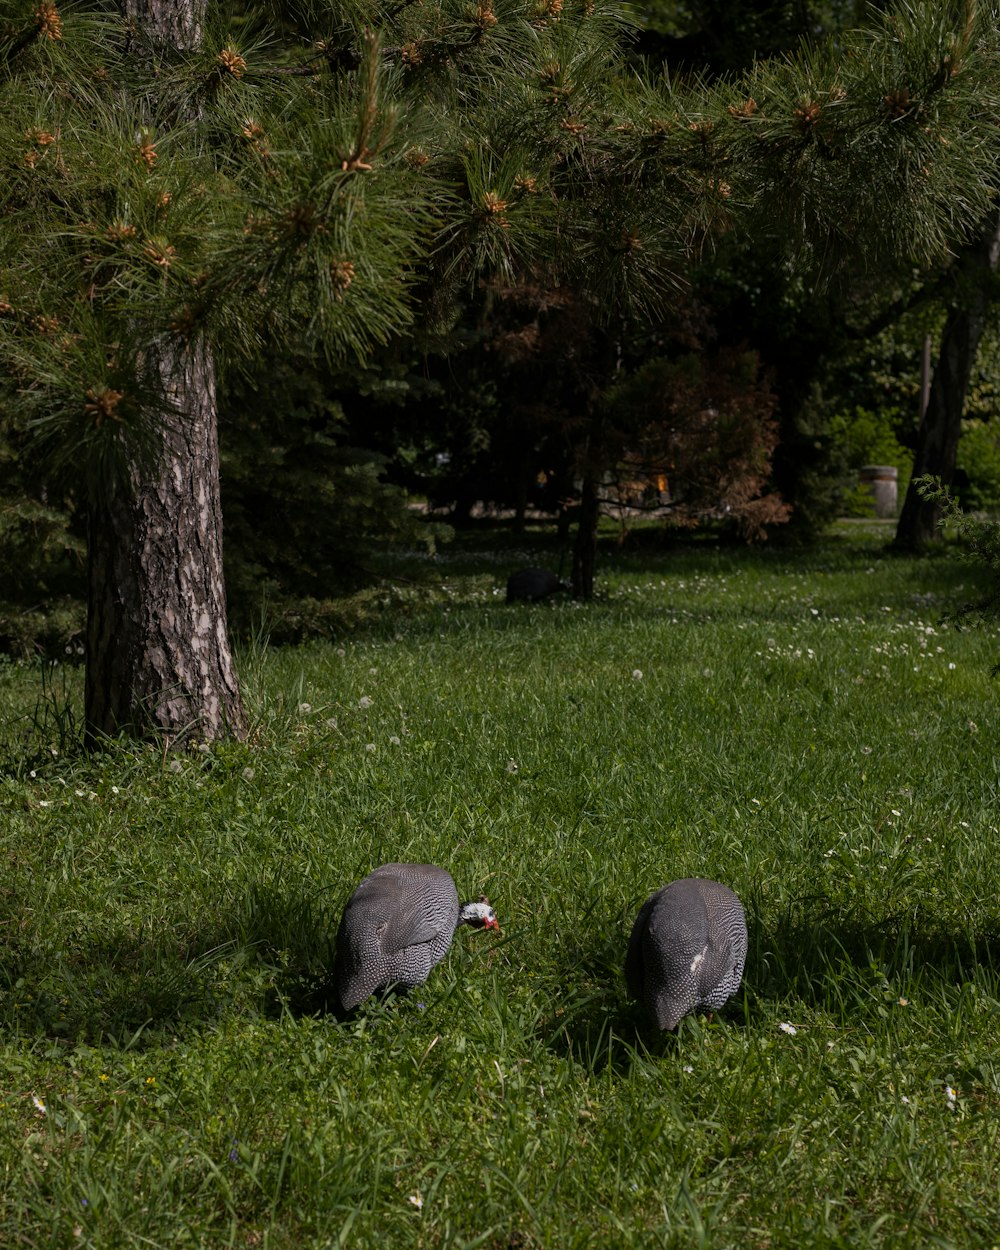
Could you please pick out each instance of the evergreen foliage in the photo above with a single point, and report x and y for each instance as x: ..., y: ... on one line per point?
x: 304, y: 509
x: 324, y: 180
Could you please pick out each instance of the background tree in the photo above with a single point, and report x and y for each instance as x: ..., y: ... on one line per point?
x: 940, y: 428
x: 178, y: 196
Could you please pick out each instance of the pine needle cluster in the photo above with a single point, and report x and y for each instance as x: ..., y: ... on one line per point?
x: 318, y: 175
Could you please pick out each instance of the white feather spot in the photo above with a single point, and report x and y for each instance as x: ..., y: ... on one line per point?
x: 697, y: 961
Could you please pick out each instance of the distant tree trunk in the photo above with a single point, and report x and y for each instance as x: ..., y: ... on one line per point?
x: 158, y: 655
x: 585, y: 547
x: 941, y: 424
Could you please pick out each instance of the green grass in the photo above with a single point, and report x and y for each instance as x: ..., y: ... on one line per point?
x: 806, y: 728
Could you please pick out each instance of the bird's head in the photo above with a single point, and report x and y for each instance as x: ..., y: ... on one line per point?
x: 479, y: 914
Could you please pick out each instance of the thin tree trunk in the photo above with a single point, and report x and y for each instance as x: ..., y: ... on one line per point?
x: 585, y: 547
x: 158, y: 655
x: 941, y: 425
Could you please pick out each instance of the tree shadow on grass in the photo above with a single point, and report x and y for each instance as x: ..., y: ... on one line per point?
x: 844, y: 962
x: 132, y: 987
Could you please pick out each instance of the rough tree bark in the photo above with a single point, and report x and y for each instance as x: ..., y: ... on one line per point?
x: 941, y: 424
x: 158, y: 654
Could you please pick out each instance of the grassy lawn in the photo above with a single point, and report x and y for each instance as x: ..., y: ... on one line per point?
x: 804, y: 726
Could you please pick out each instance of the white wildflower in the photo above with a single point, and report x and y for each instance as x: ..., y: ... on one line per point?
x: 790, y: 1029
x: 80, y: 794
x: 951, y: 1097
x: 38, y: 1103
x: 115, y: 790
x: 511, y: 766
x: 688, y: 1068
x: 44, y: 803
x: 416, y: 1200
x: 904, y: 1100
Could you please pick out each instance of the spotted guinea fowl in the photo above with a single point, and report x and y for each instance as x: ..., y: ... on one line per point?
x: 533, y: 584
x: 396, y: 926
x: 687, y: 950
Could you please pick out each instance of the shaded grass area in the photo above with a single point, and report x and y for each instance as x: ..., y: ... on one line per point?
x: 804, y: 726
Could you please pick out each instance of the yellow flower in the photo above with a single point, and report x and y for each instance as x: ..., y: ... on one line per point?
x: 150, y: 1080
x: 104, y: 1076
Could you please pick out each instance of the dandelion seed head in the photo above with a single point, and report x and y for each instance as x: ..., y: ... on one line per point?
x: 365, y: 701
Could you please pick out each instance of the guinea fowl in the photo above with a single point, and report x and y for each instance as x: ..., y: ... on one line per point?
x: 533, y: 584
x: 396, y: 926
x: 687, y: 950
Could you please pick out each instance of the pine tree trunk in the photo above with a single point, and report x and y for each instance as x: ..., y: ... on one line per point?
x: 158, y: 655
x: 941, y: 425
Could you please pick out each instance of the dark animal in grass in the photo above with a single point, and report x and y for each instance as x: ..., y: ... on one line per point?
x: 687, y: 950
x: 396, y: 926
x: 532, y: 584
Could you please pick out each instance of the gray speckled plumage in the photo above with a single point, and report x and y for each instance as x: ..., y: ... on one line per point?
x: 687, y: 950
x: 532, y: 584
x: 396, y: 926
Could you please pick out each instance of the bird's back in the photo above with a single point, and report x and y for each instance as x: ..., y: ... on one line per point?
x: 532, y: 584
x: 687, y: 949
x: 396, y: 926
